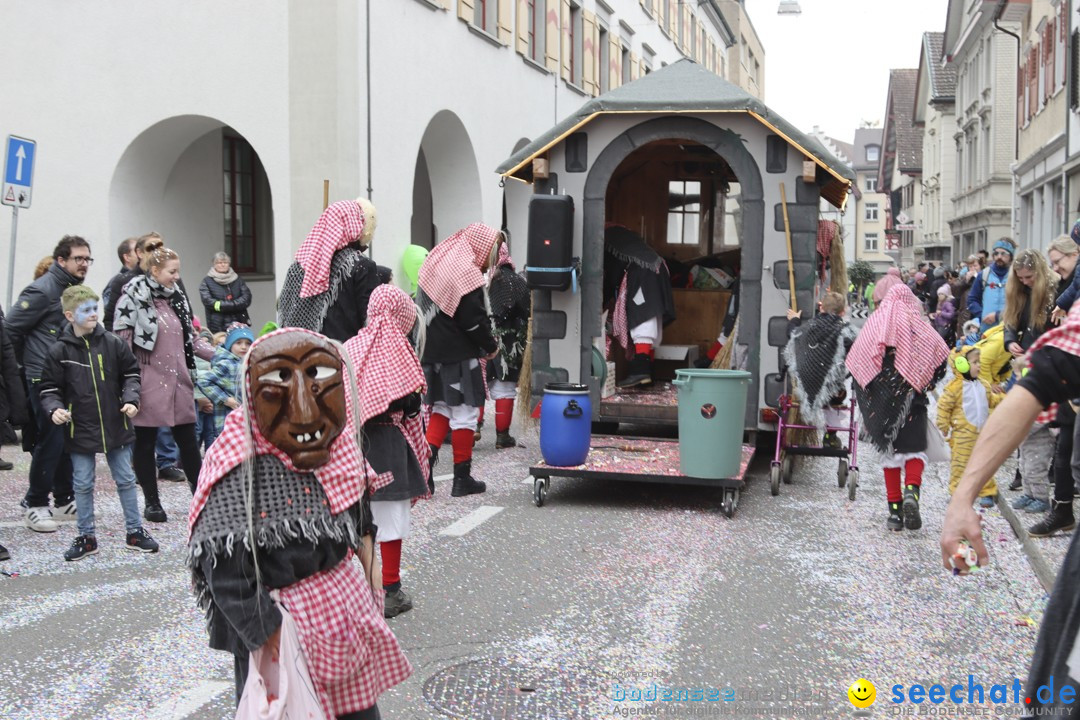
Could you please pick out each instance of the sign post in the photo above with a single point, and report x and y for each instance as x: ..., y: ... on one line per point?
x: 16, y: 191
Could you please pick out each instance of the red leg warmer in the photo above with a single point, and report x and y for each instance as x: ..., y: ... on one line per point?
x: 892, y: 485
x: 504, y: 413
x: 391, y: 562
x: 437, y: 428
x: 463, y: 442
x: 913, y: 472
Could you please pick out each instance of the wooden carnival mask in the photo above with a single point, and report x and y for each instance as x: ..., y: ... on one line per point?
x: 298, y: 395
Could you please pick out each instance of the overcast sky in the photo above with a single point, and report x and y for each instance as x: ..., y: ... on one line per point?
x: 830, y: 65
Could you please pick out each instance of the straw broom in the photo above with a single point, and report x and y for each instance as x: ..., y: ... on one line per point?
x: 524, y: 386
x: 795, y: 437
x: 838, y: 277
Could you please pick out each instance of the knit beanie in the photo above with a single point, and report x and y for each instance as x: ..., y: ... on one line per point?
x: 238, y: 332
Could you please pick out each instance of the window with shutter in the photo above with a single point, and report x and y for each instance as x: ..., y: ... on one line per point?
x: 1074, y: 64
x: 1020, y: 75
x: 1032, y: 82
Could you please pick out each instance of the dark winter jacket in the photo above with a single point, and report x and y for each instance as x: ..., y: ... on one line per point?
x: 37, y: 319
x: 465, y: 336
x: 348, y: 315
x: 92, y: 377
x: 1026, y: 334
x: 12, y: 393
x: 234, y: 298
x: 112, y: 294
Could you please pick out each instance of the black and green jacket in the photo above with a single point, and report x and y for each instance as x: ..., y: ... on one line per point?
x: 92, y: 377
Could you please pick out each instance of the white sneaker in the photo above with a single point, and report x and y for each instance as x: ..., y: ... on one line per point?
x: 65, y: 513
x: 39, y: 519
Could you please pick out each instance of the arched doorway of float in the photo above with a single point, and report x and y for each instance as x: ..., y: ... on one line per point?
x: 201, y: 185
x: 446, y: 182
x: 694, y: 192
x: 515, y: 210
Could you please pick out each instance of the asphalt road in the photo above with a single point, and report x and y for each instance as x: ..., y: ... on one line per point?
x: 558, y: 612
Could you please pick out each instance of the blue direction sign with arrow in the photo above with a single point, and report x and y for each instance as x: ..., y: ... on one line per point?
x: 18, y: 172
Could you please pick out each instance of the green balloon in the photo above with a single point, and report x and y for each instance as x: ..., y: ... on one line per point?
x: 411, y: 260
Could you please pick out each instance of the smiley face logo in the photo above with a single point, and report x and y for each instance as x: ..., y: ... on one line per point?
x: 708, y: 411
x: 862, y: 693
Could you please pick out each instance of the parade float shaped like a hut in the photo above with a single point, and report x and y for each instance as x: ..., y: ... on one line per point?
x: 697, y: 167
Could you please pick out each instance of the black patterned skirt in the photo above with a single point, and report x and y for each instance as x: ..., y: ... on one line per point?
x: 460, y: 383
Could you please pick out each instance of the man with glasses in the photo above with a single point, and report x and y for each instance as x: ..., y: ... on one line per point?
x: 986, y: 301
x: 34, y: 323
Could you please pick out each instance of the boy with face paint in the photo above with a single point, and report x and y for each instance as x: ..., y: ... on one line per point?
x: 91, y: 383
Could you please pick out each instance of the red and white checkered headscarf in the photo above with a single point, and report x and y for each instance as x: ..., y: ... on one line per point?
x: 898, y: 323
x: 340, y: 224
x: 383, y: 359
x: 504, y: 257
x: 452, y: 270
x: 344, y: 478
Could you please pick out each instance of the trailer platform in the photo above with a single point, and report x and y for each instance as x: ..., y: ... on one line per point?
x: 615, y: 457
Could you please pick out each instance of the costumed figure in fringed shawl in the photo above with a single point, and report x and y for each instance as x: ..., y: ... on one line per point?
x: 511, y: 305
x: 388, y: 370
x: 896, y: 358
x: 327, y: 288
x: 637, y: 291
x: 454, y: 306
x: 281, y: 509
x: 815, y: 355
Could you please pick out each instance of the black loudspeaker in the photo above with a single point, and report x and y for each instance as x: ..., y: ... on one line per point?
x: 551, y: 242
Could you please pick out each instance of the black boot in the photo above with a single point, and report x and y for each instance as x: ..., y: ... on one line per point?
x: 896, y: 519
x: 431, y: 468
x: 638, y: 372
x: 1017, y: 481
x: 504, y: 440
x: 4, y: 554
x: 464, y: 483
x: 912, y: 519
x: 1059, y: 519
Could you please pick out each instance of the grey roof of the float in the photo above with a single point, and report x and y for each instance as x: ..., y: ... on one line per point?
x: 680, y: 87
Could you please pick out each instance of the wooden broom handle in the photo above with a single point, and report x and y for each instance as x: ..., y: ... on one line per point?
x: 790, y: 259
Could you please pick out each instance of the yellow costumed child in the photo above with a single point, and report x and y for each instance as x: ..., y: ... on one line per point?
x: 962, y: 411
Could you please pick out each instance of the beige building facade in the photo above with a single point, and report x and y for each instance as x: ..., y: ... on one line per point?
x: 934, y: 113
x: 870, y: 204
x: 985, y: 129
x: 746, y: 57
x: 1041, y: 105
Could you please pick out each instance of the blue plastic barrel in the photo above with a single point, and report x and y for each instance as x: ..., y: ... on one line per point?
x: 565, y: 424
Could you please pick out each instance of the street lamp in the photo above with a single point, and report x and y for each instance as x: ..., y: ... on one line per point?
x: 789, y: 7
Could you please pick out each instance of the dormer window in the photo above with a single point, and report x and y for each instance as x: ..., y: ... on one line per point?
x: 872, y: 153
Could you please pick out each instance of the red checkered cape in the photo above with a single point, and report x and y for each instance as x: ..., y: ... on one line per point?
x: 504, y: 258
x: 898, y: 323
x: 386, y: 365
x: 452, y: 270
x: 344, y: 478
x: 340, y: 224
x: 352, y: 654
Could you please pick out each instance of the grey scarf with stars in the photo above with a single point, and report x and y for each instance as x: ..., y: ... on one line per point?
x: 135, y: 312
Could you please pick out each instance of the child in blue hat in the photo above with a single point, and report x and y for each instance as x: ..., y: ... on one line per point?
x: 220, y: 384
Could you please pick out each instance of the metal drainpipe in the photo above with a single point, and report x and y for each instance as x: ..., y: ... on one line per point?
x: 367, y: 48
x: 1016, y: 132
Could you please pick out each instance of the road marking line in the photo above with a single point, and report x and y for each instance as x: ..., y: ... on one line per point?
x: 471, y: 521
x: 185, y: 704
x: 528, y: 481
x: 444, y: 478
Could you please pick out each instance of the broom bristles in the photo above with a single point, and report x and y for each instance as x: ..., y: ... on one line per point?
x: 524, y: 387
x: 722, y: 361
x: 838, y: 277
